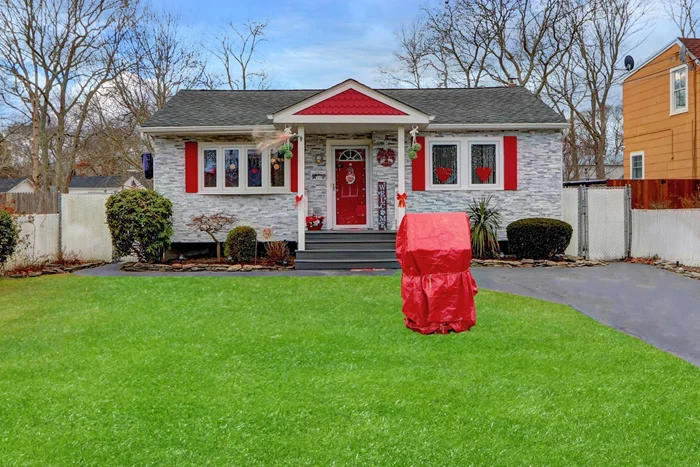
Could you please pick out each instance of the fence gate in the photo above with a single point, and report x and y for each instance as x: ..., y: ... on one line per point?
x: 601, y: 219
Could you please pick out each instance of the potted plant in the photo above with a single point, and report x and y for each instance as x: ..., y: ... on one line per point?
x: 314, y: 222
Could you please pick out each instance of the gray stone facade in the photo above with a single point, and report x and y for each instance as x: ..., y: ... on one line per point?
x: 538, y: 194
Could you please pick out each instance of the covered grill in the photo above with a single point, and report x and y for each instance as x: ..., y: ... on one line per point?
x: 437, y: 287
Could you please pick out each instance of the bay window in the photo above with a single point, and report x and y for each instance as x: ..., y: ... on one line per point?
x: 465, y: 163
x: 235, y: 168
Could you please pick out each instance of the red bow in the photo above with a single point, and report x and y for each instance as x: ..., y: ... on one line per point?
x: 402, y: 199
x: 298, y: 200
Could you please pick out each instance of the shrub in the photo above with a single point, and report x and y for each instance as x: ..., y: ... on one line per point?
x: 140, y: 222
x: 485, y: 221
x: 9, y: 236
x: 538, y: 238
x: 692, y: 201
x: 241, y: 244
x: 277, y: 252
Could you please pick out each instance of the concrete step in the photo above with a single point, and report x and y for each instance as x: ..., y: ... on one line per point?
x: 353, y: 235
x: 347, y: 254
x: 352, y: 244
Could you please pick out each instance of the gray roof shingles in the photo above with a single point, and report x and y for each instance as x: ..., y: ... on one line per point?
x: 6, y: 184
x: 499, y: 105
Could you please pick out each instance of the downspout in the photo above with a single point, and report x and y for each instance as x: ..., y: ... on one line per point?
x: 694, y: 124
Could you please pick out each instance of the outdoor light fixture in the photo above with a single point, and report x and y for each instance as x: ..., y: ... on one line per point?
x: 180, y: 258
x: 319, y: 159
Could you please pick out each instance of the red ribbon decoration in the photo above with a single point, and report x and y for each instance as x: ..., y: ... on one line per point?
x: 298, y: 200
x: 402, y: 199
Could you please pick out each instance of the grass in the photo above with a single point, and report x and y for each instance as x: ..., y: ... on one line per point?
x: 321, y: 371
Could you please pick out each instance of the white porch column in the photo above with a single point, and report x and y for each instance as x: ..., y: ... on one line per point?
x: 402, y: 172
x: 301, y: 154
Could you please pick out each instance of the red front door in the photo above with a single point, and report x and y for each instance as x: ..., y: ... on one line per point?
x: 350, y: 186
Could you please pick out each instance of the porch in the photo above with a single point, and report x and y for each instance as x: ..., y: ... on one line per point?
x: 348, y: 249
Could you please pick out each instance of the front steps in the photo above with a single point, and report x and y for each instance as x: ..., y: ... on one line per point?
x: 348, y: 249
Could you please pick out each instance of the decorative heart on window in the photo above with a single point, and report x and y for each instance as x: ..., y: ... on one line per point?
x: 443, y: 173
x: 484, y: 173
x: 386, y: 157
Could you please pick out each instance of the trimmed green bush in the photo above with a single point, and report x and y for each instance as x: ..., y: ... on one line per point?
x: 141, y: 223
x: 538, y: 238
x: 9, y: 236
x: 241, y: 244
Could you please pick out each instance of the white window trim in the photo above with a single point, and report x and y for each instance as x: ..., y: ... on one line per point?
x: 633, y: 154
x: 464, y: 145
x: 242, y: 170
x: 429, y: 156
x: 678, y: 110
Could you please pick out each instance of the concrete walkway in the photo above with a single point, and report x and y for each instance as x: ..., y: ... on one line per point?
x: 660, y: 307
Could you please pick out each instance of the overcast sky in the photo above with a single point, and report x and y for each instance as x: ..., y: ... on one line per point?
x: 318, y: 43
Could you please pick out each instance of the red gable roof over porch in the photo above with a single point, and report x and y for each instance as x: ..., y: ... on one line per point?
x: 350, y: 102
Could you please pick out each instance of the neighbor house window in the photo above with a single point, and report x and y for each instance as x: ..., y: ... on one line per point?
x: 679, y: 89
x: 466, y: 163
x: 230, y: 168
x: 637, y: 165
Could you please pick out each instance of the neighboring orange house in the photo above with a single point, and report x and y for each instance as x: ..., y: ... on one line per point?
x: 660, y: 111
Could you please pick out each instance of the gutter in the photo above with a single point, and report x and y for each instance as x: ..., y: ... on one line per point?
x: 497, y: 126
x: 204, y: 130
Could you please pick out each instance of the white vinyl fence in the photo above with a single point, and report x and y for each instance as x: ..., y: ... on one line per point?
x: 571, y: 216
x: 671, y: 234
x: 79, y: 230
x: 84, y: 230
x: 38, y: 239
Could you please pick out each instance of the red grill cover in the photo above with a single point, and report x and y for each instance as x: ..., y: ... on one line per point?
x: 434, y: 250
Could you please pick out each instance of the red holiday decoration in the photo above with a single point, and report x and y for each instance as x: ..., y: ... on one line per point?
x: 297, y: 200
x: 402, y: 199
x: 314, y: 222
x: 483, y: 173
x: 386, y: 157
x: 443, y: 173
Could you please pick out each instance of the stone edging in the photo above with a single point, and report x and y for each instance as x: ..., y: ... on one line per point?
x: 566, y: 262
x: 671, y: 267
x: 51, y: 269
x: 197, y: 267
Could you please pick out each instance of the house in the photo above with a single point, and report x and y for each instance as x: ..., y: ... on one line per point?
x: 350, y: 161
x: 660, y: 112
x: 105, y: 184
x: 612, y: 171
x: 16, y: 185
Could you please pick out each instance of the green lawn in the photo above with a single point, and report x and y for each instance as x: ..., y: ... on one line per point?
x: 321, y: 371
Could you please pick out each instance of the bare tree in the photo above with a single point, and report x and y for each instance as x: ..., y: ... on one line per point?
x: 684, y: 14
x: 211, y: 225
x: 236, y: 51
x: 412, y: 59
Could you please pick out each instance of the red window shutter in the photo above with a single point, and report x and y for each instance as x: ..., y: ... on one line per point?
x: 418, y: 167
x: 294, y: 166
x: 191, y: 167
x: 510, y: 162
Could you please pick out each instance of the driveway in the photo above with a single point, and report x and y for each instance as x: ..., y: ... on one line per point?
x: 660, y: 307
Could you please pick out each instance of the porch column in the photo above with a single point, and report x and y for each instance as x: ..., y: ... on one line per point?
x: 301, y: 154
x: 402, y: 172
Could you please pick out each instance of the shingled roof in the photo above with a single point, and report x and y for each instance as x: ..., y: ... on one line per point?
x: 6, y: 184
x: 496, y: 105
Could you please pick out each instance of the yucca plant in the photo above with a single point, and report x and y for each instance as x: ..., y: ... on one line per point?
x: 485, y: 221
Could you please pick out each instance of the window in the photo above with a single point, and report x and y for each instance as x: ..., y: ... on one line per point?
x: 445, y: 164
x: 679, y: 89
x: 637, y: 165
x: 242, y: 169
x: 466, y: 163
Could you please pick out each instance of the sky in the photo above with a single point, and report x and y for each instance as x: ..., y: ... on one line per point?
x: 318, y: 43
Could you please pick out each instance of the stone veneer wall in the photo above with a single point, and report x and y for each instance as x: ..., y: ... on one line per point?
x: 538, y: 194
x: 274, y: 211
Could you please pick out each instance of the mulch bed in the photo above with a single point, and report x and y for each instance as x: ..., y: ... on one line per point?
x: 687, y: 271
x: 201, y: 266
x: 561, y: 262
x: 51, y: 269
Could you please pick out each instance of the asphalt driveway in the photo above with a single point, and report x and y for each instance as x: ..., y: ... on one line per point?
x: 660, y: 307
